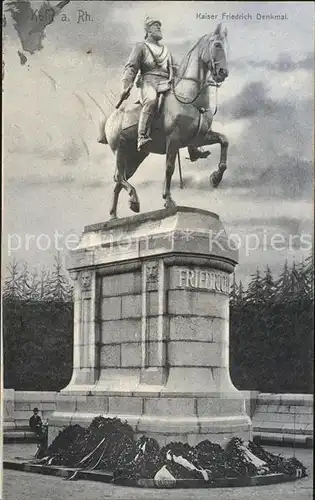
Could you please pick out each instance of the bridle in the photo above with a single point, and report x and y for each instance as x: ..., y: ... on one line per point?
x: 211, y: 63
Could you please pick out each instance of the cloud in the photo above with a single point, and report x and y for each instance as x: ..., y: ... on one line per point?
x: 291, y: 178
x: 69, y: 181
x: 288, y: 178
x: 33, y: 181
x: 72, y: 152
x: 273, y: 155
x: 289, y: 224
x: 283, y: 64
x: 253, y: 100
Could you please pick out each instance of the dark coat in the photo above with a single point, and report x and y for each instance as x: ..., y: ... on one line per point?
x: 35, y: 424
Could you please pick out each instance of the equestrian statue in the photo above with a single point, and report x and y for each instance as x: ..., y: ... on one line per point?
x: 172, y: 112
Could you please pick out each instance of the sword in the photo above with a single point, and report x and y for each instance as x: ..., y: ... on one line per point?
x: 125, y: 96
x: 181, y: 183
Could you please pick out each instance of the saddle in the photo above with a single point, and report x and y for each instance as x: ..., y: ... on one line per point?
x: 202, y: 126
x: 163, y: 87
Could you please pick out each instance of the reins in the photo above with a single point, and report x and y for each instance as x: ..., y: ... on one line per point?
x: 208, y: 83
x: 216, y: 102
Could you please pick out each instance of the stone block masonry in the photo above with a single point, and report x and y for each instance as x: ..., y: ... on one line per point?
x: 18, y: 408
x: 277, y: 418
x: 284, y: 418
x: 151, y: 328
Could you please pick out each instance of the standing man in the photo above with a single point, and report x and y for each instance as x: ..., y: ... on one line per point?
x: 36, y: 423
x: 154, y: 63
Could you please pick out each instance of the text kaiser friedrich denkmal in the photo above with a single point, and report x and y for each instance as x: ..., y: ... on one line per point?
x: 242, y: 16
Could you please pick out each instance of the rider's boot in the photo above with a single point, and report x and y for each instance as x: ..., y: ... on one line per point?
x: 143, y: 130
x: 195, y: 153
x: 102, y: 136
x: 102, y: 139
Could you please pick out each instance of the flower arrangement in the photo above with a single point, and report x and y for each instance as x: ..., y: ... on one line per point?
x: 109, y: 444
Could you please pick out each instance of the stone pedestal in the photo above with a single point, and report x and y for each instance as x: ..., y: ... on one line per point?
x: 151, y: 328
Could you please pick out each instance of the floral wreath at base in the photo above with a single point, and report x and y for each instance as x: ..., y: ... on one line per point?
x: 109, y: 444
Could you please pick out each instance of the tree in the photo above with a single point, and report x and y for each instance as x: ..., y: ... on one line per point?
x: 34, y: 283
x: 307, y: 274
x: 29, y: 284
x: 255, y: 290
x: 13, y: 284
x: 60, y: 288
x: 268, y: 286
x: 240, y: 294
x: 44, y: 280
x: 283, y: 285
x: 297, y: 281
x: 233, y: 291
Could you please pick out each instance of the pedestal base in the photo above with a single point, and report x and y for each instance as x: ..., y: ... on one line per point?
x: 186, y: 418
x: 151, y: 329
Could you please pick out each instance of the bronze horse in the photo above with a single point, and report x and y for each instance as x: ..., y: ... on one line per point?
x: 184, y: 119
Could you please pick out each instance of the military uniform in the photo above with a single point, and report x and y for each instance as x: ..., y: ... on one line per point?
x: 153, y: 64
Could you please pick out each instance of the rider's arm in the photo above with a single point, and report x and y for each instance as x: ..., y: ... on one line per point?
x: 173, y: 67
x: 133, y: 66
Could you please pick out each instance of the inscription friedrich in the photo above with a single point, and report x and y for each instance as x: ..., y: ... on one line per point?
x: 206, y: 280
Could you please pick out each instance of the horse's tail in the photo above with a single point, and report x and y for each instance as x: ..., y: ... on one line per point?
x: 102, y: 139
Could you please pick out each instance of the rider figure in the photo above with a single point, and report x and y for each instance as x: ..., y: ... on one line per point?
x: 154, y: 63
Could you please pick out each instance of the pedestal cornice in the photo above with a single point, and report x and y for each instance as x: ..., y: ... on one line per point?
x: 187, y: 232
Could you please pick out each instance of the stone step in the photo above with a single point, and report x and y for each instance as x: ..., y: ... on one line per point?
x: 16, y: 425
x: 286, y: 428
x: 269, y: 408
x: 20, y: 435
x: 283, y: 417
x: 273, y: 438
x: 8, y: 426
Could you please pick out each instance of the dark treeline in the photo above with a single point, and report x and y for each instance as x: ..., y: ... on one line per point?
x: 37, y: 328
x: 271, y: 329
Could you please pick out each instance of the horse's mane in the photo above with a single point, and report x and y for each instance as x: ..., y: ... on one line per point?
x: 203, y: 41
x: 183, y: 65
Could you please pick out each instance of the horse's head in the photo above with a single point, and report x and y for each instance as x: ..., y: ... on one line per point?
x: 214, y: 54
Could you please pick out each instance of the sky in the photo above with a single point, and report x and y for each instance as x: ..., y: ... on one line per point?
x: 57, y: 178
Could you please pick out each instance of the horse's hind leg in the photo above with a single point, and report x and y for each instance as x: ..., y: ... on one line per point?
x: 113, y: 211
x: 132, y: 165
x: 128, y: 160
x: 123, y: 172
x: 171, y: 152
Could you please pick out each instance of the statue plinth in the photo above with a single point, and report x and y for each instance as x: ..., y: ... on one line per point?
x: 151, y: 328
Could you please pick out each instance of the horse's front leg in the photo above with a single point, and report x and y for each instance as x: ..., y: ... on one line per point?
x: 217, y: 138
x: 171, y: 153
